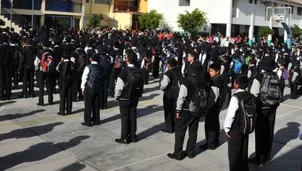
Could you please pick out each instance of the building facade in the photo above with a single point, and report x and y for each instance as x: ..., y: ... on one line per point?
x: 74, y: 13
x: 230, y: 17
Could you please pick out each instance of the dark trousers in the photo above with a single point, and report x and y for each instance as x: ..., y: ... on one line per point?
x: 65, y: 98
x: 264, y: 132
x: 146, y: 76
x: 282, y: 86
x: 28, y: 82
x: 5, y: 83
x: 112, y: 79
x: 155, y: 69
x: 49, y: 78
x: 212, y: 129
x: 104, y: 96
x: 15, y: 75
x: 76, y: 87
x: 129, y: 117
x: 92, y: 107
x: 238, y: 151
x: 169, y: 110
x: 181, y: 125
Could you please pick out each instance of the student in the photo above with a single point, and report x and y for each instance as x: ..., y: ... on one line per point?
x: 129, y: 88
x: 268, y: 100
x: 170, y: 85
x: 91, y: 86
x: 212, y: 125
x: 66, y: 71
x: 234, y: 125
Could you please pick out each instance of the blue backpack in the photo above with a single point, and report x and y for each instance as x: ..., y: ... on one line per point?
x: 237, y: 66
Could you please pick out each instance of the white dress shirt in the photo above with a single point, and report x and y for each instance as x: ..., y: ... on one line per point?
x: 85, y: 76
x: 233, y: 107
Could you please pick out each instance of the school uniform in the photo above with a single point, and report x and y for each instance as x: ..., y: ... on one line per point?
x: 91, y: 98
x: 5, y: 72
x: 128, y: 108
x: 65, y: 69
x: 265, y: 124
x: 238, y: 143
x: 168, y: 100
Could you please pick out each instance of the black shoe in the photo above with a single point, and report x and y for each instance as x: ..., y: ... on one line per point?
x: 32, y: 96
x: 167, y: 131
x: 191, y: 156
x: 134, y: 138
x: 50, y: 103
x: 59, y: 113
x: 173, y: 156
x: 86, y: 124
x: 122, y: 141
x: 97, y: 123
x: 39, y: 104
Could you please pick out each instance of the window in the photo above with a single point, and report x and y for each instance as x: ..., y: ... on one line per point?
x: 299, y: 11
x: 101, y: 1
x: 184, y: 2
x: 251, y: 1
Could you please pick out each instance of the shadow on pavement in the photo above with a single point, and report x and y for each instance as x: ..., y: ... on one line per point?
x: 38, y: 152
x: 151, y: 131
x: 6, y: 103
x: 20, y: 115
x: 29, y: 132
x: 74, y: 167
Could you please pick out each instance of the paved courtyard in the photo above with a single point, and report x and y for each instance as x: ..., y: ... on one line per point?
x: 34, y: 138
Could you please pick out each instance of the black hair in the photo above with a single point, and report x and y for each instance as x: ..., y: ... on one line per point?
x: 215, y: 66
x: 95, y: 57
x: 66, y: 55
x: 131, y: 56
x: 172, y: 62
x: 242, y: 81
x: 46, y: 43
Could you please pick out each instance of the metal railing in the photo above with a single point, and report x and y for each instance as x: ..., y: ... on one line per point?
x: 16, y: 18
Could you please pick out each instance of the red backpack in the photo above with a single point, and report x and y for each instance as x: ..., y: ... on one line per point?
x: 47, y: 62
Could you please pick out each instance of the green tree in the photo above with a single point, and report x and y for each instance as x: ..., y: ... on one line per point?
x: 265, y: 31
x: 151, y: 20
x: 192, y: 22
x: 296, y: 31
x: 95, y: 20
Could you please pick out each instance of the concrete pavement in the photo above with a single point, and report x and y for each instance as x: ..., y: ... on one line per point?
x: 34, y: 138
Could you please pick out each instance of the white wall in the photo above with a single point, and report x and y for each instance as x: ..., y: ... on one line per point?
x: 171, y: 9
x: 217, y: 11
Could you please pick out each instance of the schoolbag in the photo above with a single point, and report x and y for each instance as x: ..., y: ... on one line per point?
x: 47, y: 63
x: 68, y: 70
x: 198, y: 103
x: 270, y: 93
x: 95, y: 79
x: 173, y: 90
x: 134, y: 86
x: 81, y: 61
x: 118, y: 63
x: 237, y: 66
x: 148, y: 63
x: 225, y: 95
x: 247, y: 111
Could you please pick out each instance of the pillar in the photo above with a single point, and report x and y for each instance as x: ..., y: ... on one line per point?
x: 42, y: 20
x: 43, y: 6
x: 252, y: 24
x: 82, y: 20
x: 285, y: 37
x: 229, y: 23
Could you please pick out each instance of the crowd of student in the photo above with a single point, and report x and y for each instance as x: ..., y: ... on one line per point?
x: 195, y: 73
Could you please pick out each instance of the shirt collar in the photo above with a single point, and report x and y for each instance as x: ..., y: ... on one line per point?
x: 94, y: 62
x: 240, y: 90
x: 130, y: 65
x: 66, y: 60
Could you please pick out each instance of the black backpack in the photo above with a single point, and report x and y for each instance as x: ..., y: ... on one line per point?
x: 247, y: 112
x: 68, y: 72
x: 95, y: 79
x: 134, y: 87
x: 81, y: 61
x: 225, y: 95
x: 270, y: 92
x: 173, y: 90
x: 198, y: 103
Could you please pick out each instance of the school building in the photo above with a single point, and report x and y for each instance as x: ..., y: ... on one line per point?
x: 231, y: 17
x: 72, y: 13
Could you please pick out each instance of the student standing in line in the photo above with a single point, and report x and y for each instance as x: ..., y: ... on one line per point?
x: 239, y: 123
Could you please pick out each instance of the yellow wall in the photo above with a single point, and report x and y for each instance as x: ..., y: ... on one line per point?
x: 92, y: 8
x: 122, y: 20
x: 143, y: 6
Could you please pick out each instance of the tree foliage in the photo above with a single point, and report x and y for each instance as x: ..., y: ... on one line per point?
x: 151, y: 20
x: 95, y: 20
x: 296, y: 31
x: 192, y: 22
x: 265, y: 31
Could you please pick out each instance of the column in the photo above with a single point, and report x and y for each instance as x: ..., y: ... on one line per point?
x: 285, y: 36
x: 43, y: 6
x: 270, y: 37
x: 42, y: 20
x: 229, y: 23
x: 82, y: 20
x: 0, y: 6
x: 252, y: 24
